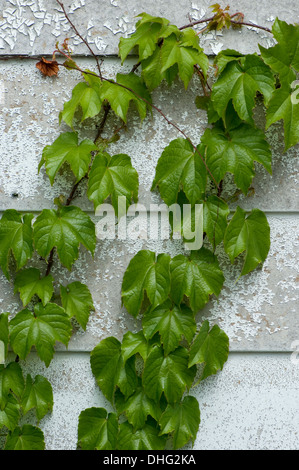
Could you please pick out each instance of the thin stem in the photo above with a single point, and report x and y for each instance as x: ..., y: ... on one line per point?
x: 81, y: 37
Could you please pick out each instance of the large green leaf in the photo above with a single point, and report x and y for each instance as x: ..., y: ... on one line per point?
x: 15, y: 238
x: 182, y: 419
x: 77, y: 301
x: 10, y: 414
x: 11, y: 381
x: 42, y: 329
x: 235, y: 151
x: 38, y: 394
x: 168, y: 374
x: 240, y: 81
x: 283, y: 58
x: 26, y: 438
x: 180, y: 167
x: 148, y: 274
x: 64, y: 229
x: 196, y: 277
x: 127, y: 88
x: 112, y: 176
x: 85, y: 96
x: 67, y: 149
x: 172, y: 322
x: 29, y: 283
x: 146, y: 438
x: 211, y: 348
x: 137, y: 408
x: 97, y: 429
x: 215, y: 212
x: 284, y: 104
x: 249, y: 233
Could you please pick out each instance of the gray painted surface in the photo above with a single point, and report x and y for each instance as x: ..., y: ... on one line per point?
x: 253, y: 403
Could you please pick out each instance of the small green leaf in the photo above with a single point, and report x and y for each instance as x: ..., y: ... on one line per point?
x: 240, y: 82
x: 235, y: 151
x: 182, y: 419
x: 250, y: 234
x: 180, y: 167
x: 64, y: 229
x: 42, y: 329
x: 196, y: 277
x: 86, y: 96
x: 215, y: 212
x: 134, y: 343
x: 11, y: 381
x: 172, y: 322
x: 211, y: 348
x: 178, y: 51
x: 26, y: 438
x: 168, y: 374
x: 38, y: 394
x: 146, y: 438
x: 97, y: 429
x: 29, y: 283
x: 225, y: 57
x: 146, y: 273
x: 66, y: 149
x: 112, y: 176
x: 15, y: 238
x: 77, y: 302
x: 127, y: 88
x: 137, y: 408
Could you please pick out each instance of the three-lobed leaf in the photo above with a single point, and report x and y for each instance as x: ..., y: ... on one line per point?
x: 38, y: 394
x: 146, y: 438
x: 77, y: 301
x: 215, y: 213
x: 29, y: 283
x: 97, y: 429
x: 27, y: 437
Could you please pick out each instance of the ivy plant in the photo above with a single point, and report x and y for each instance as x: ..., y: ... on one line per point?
x: 148, y: 375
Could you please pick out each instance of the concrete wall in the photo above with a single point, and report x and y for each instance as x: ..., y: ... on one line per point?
x: 253, y: 402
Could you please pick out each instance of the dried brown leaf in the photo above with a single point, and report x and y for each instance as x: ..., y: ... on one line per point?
x: 48, y: 67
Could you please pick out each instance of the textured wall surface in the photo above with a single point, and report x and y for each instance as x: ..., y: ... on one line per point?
x: 253, y: 403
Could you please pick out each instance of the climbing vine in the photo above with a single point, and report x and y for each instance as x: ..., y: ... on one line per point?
x: 148, y: 375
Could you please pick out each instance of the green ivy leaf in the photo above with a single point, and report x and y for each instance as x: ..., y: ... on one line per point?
x: 15, y: 238
x: 11, y: 381
x: 127, y: 88
x: 66, y: 149
x: 38, y: 394
x: 240, y: 82
x: 250, y: 234
x: 168, y: 374
x: 180, y: 167
x: 26, y: 438
x: 64, y: 229
x: 172, y: 322
x: 196, y: 277
x: 10, y: 414
x: 112, y: 176
x: 145, y: 273
x: 211, y: 348
x: 42, y: 329
x: 178, y: 51
x: 137, y: 407
x: 225, y: 57
x: 215, y: 213
x: 283, y: 106
x: 235, y: 151
x: 182, y: 419
x: 85, y: 96
x: 97, y: 429
x: 77, y: 302
x: 283, y: 58
x: 29, y: 283
x: 146, y: 438
x: 4, y: 336
x: 134, y: 343
x: 110, y: 370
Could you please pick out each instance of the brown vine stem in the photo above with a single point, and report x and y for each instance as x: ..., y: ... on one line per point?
x: 238, y: 23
